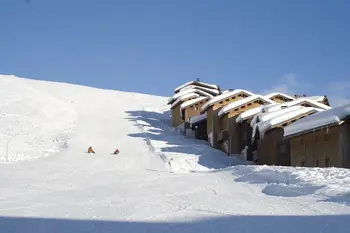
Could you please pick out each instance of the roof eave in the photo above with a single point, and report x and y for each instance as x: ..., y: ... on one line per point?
x: 313, y: 129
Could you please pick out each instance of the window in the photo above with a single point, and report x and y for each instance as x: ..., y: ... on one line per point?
x: 227, y: 100
x: 220, y: 102
x: 233, y: 97
x: 196, y: 108
x: 236, y: 109
x: 242, y: 107
x: 249, y: 104
x: 285, y: 124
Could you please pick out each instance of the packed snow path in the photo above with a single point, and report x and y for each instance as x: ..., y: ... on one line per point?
x: 72, y: 191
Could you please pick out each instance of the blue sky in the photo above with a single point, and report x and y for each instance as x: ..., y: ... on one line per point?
x: 153, y: 46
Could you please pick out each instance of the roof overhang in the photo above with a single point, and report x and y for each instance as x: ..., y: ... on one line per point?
x: 314, y: 129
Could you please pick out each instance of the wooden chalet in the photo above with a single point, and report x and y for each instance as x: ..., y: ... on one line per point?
x: 232, y: 137
x: 176, y: 108
x: 214, y: 106
x: 178, y: 99
x: 191, y: 108
x: 267, y: 138
x: 321, y: 140
x: 244, y: 121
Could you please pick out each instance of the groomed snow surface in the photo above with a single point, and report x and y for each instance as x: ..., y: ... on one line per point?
x: 56, y: 187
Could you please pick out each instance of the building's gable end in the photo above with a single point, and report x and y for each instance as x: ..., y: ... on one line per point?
x: 247, y: 106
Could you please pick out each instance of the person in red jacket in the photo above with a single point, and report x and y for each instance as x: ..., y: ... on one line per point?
x: 116, y: 151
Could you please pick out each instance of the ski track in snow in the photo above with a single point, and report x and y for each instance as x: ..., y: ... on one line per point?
x: 64, y: 189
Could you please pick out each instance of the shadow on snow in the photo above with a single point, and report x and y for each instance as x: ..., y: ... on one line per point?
x: 341, y: 199
x: 160, y: 130
x: 238, y: 223
x: 275, y: 182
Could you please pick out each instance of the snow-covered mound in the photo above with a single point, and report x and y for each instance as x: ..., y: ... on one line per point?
x: 33, y: 124
x: 330, y: 184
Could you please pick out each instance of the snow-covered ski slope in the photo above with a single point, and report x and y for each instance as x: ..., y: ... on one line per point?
x: 49, y: 184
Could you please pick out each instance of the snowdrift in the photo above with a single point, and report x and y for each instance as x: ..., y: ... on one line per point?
x: 330, y: 184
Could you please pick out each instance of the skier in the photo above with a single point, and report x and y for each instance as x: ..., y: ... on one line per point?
x: 116, y: 151
x: 90, y: 150
x: 169, y: 163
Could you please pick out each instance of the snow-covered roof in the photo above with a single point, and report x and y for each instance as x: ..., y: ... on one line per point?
x: 264, y: 116
x: 243, y: 101
x: 209, y: 90
x: 248, y: 114
x: 274, y: 94
x: 311, y: 102
x: 194, y: 83
x: 184, y: 97
x: 269, y: 123
x: 318, y: 120
x: 315, y: 98
x: 271, y: 107
x: 188, y: 91
x: 197, y: 119
x: 299, y: 101
x: 193, y: 101
x: 225, y: 91
x: 224, y: 96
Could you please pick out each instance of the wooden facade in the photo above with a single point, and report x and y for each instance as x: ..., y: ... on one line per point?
x: 246, y: 131
x: 273, y: 148
x: 176, y: 116
x: 326, y: 147
x: 193, y: 110
x: 200, y: 129
x: 232, y: 136
x: 280, y: 99
x: 176, y: 113
x: 213, y: 127
x: 325, y: 101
